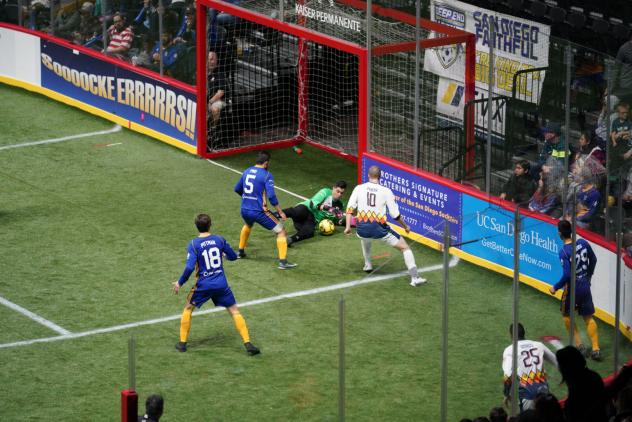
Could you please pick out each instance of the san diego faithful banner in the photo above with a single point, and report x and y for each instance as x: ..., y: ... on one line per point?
x: 518, y: 44
x: 132, y: 96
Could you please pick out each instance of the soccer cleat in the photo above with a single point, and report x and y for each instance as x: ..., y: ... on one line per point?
x: 418, y: 281
x: 583, y: 350
x: 241, y: 254
x: 596, y: 355
x: 368, y: 268
x: 284, y: 265
x: 182, y: 347
x: 251, y: 349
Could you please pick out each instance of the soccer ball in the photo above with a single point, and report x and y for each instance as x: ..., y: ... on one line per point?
x: 326, y: 227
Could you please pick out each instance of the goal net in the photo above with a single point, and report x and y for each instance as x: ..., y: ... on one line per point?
x: 277, y: 75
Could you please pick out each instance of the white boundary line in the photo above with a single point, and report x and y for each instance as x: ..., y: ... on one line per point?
x: 309, y: 292
x: 239, y: 172
x: 34, y: 316
x: 116, y: 128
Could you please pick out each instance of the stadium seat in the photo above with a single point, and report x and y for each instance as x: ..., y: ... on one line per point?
x: 557, y: 15
x: 537, y: 9
x: 619, y: 30
x: 576, y: 18
x: 517, y: 6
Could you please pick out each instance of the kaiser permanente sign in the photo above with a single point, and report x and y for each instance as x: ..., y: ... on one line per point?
x: 328, y: 17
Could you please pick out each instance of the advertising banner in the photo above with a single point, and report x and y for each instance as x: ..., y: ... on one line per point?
x: 424, y: 204
x: 132, y: 96
x: 488, y: 233
x: 518, y: 44
x: 450, y: 104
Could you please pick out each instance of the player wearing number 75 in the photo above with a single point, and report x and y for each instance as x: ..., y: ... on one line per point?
x: 530, y: 369
x: 205, y: 253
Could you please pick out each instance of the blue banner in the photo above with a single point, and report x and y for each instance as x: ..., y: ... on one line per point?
x: 425, y: 205
x: 116, y: 90
x: 488, y: 233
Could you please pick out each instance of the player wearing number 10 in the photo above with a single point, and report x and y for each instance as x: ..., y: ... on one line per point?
x: 205, y: 254
x: 371, y: 201
x: 256, y: 187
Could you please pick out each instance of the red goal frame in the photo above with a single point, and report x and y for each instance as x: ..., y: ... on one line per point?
x: 448, y: 36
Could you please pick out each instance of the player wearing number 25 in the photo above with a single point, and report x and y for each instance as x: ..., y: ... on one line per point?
x: 256, y: 187
x: 530, y: 374
x: 205, y: 253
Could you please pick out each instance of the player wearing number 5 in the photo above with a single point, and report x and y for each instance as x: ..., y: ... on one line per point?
x: 256, y: 187
x: 205, y: 253
x: 371, y: 200
x: 530, y: 369
x: 585, y: 262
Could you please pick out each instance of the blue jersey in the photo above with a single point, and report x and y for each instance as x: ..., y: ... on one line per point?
x: 256, y: 186
x: 585, y: 262
x: 205, y: 254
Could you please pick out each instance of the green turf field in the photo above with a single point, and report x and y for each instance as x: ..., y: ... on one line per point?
x: 93, y: 235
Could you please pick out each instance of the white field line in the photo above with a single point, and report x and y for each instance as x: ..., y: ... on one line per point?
x: 116, y: 128
x: 34, y: 317
x: 269, y: 299
x: 240, y: 172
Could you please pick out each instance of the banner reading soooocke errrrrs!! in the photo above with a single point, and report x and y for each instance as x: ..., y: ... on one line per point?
x: 116, y: 90
x: 518, y: 44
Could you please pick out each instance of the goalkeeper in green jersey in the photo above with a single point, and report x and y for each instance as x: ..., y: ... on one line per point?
x: 326, y: 204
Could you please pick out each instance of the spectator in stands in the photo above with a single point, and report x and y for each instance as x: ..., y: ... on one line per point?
x: 587, y: 401
x: 546, y: 197
x: 497, y: 414
x: 548, y: 409
x: 146, y: 22
x: 220, y: 19
x: 553, y: 144
x: 216, y: 89
x: 40, y: 12
x: 605, y: 119
x: 623, y: 405
x: 620, y: 135
x: 186, y: 34
x: 589, y: 152
x: 144, y: 56
x: 583, y: 190
x: 520, y: 186
x: 65, y: 23
x: 623, y: 78
x: 88, y: 25
x: 120, y: 36
x: 170, y: 52
x: 627, y: 243
x: 154, y: 406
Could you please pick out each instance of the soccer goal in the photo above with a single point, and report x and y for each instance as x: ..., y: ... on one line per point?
x: 315, y: 72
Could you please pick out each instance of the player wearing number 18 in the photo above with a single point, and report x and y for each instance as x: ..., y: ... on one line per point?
x: 205, y: 253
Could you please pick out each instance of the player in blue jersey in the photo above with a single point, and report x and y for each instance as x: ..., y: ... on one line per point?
x: 256, y: 188
x: 585, y: 262
x: 205, y: 256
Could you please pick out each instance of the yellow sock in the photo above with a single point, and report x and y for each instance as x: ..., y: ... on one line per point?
x: 243, y: 236
x: 242, y: 328
x: 282, y: 247
x: 591, y: 329
x: 185, y: 324
x: 567, y: 323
